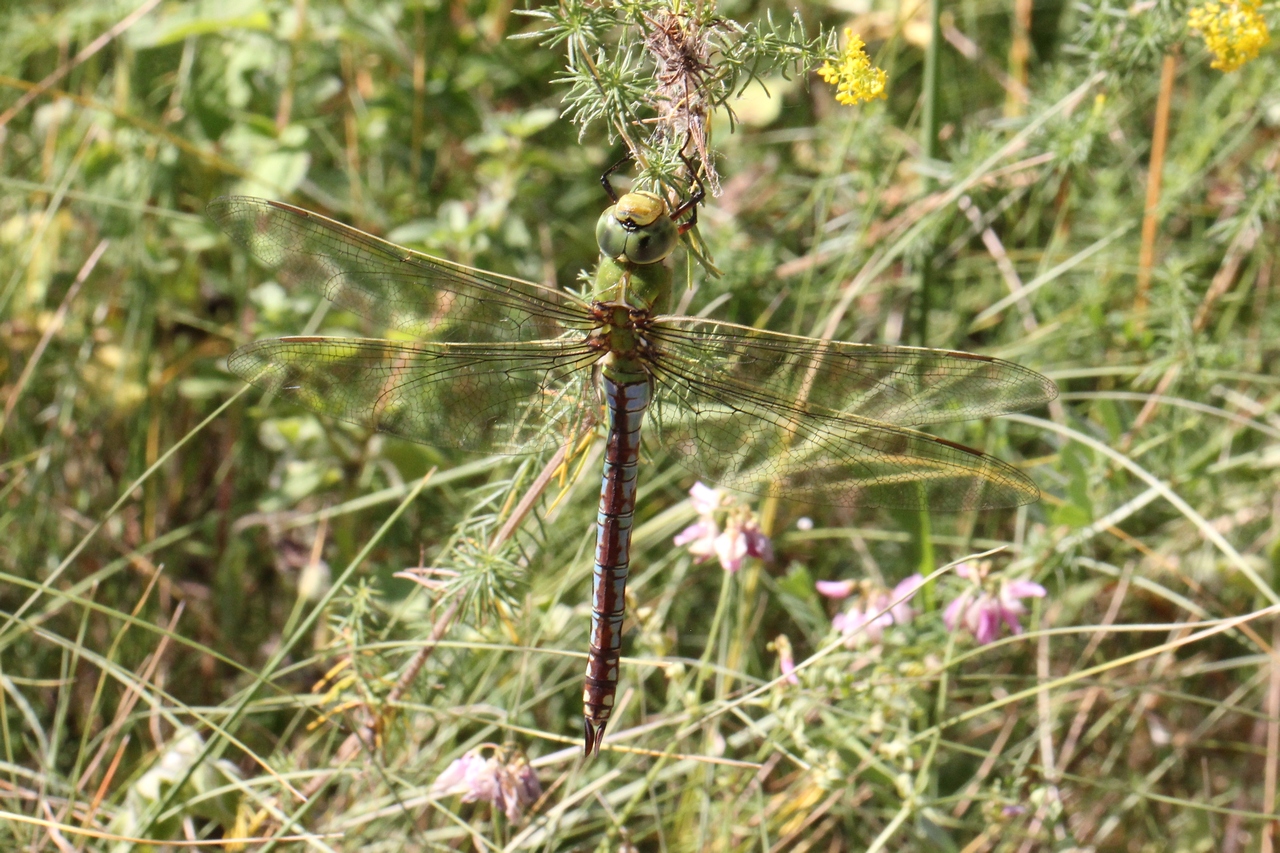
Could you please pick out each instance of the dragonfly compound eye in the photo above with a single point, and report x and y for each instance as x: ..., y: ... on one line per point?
x: 638, y: 230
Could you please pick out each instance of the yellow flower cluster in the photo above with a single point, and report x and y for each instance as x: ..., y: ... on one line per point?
x: 855, y: 78
x: 1235, y: 31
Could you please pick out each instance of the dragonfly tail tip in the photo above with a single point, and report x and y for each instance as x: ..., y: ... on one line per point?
x: 593, y: 732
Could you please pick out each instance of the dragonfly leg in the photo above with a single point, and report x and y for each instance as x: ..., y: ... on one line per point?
x: 699, y: 193
x: 607, y: 184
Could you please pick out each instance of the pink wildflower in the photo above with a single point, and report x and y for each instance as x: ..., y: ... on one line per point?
x: 472, y: 776
x: 510, y: 786
x: 858, y: 626
x: 520, y: 787
x: 835, y: 589
x: 983, y: 619
x: 877, y: 610
x: 877, y: 618
x: 1011, y: 595
x: 701, y: 538
x: 905, y: 590
x: 705, y: 499
x: 849, y: 623
x: 981, y: 612
x: 731, y: 549
x: 956, y: 609
x: 741, y: 537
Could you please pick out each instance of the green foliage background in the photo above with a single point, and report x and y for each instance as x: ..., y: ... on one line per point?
x: 177, y: 661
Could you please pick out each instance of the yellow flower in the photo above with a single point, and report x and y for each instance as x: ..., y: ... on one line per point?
x: 1234, y: 31
x: 855, y: 78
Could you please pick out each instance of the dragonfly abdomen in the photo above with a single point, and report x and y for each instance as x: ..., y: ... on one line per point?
x: 626, y: 403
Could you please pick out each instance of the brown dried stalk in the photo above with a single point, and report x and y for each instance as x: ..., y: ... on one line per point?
x: 681, y: 51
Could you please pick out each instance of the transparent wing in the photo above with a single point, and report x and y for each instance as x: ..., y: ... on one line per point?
x: 513, y: 398
x: 395, y: 287
x: 817, y: 421
x: 911, y: 386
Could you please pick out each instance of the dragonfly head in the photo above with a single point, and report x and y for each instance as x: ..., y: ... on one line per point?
x: 638, y: 229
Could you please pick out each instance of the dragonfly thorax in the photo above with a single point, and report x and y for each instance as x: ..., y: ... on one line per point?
x: 637, y: 230
x: 621, y: 329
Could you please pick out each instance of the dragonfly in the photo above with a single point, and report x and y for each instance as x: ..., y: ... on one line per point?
x: 489, y: 363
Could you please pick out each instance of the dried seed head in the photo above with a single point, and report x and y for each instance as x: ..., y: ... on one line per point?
x: 681, y: 50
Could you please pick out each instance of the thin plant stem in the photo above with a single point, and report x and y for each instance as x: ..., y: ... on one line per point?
x: 928, y: 275
x: 1150, y: 217
x: 1273, y: 739
x: 722, y: 604
x: 1015, y: 102
x: 928, y: 150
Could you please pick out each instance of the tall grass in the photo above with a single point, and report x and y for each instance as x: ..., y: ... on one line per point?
x: 222, y: 616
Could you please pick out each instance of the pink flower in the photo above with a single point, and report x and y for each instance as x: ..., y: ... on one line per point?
x: 849, y: 623
x: 983, y: 620
x: 1011, y: 595
x: 740, y: 539
x: 905, y: 590
x: 956, y: 609
x: 731, y: 549
x: 701, y: 538
x: 977, y: 612
x: 859, y: 626
x: 705, y: 499
x: 982, y: 612
x: 510, y: 786
x: 836, y: 589
x: 878, y: 610
x: 758, y: 545
x: 875, y: 625
x: 788, y: 669
x: 519, y: 787
x: 472, y: 776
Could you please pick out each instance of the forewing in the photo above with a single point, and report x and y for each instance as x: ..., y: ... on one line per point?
x: 791, y: 417
x: 516, y: 398
x: 909, y: 386
x: 395, y: 287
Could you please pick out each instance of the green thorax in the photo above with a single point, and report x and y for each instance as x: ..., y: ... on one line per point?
x: 636, y: 236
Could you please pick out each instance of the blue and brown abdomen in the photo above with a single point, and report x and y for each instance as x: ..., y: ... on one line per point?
x: 626, y: 404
